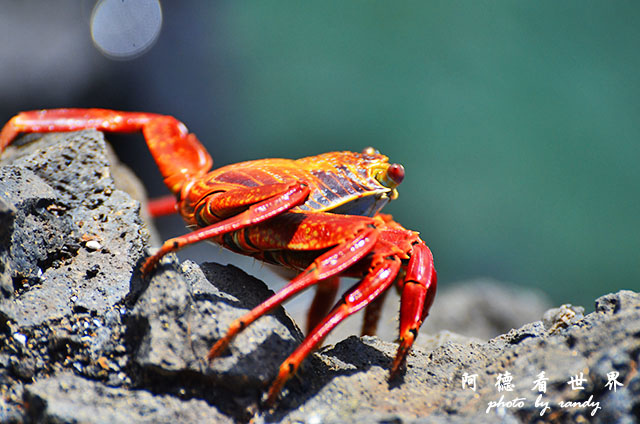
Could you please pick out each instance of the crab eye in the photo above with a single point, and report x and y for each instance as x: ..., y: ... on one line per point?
x: 395, y: 173
x: 390, y: 176
x: 370, y: 151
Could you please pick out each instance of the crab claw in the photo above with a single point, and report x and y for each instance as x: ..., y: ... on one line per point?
x: 418, y: 293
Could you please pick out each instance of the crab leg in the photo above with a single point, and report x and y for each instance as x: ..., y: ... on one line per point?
x: 374, y: 283
x: 258, y: 212
x: 179, y: 155
x: 418, y: 292
x: 211, y: 208
x: 161, y: 206
x: 324, y: 267
x: 326, y: 291
x: 372, y: 315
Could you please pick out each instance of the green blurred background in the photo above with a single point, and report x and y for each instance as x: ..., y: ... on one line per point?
x: 517, y: 122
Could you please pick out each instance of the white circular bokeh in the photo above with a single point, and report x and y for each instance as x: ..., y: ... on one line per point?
x: 125, y: 29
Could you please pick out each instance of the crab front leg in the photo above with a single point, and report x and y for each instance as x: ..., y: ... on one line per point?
x: 270, y: 201
x: 418, y: 292
x: 417, y: 285
x: 178, y: 154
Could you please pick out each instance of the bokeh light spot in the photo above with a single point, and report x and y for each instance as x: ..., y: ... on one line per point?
x: 125, y: 29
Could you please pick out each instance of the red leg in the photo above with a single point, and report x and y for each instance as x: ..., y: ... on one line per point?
x: 418, y: 291
x: 326, y: 292
x: 372, y: 315
x: 210, y: 207
x: 162, y: 206
x: 375, y: 283
x: 259, y: 212
x: 325, y: 266
x: 179, y: 155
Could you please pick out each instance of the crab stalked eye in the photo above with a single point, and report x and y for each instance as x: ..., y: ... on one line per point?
x: 390, y: 176
x: 370, y: 151
x: 395, y: 173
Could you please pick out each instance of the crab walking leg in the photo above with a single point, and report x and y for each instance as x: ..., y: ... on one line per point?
x: 209, y: 208
x: 202, y: 208
x: 418, y: 292
x: 372, y: 315
x: 161, y: 206
x: 325, y: 266
x: 323, y: 300
x: 179, y: 154
x: 363, y: 293
x: 259, y: 212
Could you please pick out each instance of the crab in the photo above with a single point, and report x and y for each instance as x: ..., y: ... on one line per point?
x: 318, y: 215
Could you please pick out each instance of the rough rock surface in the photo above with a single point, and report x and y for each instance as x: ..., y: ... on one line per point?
x: 84, y: 339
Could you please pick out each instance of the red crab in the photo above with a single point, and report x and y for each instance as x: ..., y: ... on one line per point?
x: 318, y: 215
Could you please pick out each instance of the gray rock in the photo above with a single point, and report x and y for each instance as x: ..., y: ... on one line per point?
x: 186, y: 311
x: 84, y: 339
x: 484, y: 308
x: 68, y: 398
x: 58, y: 202
x: 564, y: 316
x: 356, y: 388
x: 64, y: 198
